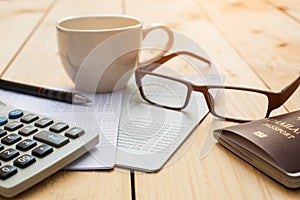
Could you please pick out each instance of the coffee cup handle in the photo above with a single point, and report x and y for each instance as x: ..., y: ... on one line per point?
x: 169, y: 43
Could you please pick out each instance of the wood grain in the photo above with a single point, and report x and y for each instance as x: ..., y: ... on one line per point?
x: 18, y: 20
x: 38, y: 63
x: 113, y: 184
x: 270, y: 49
x: 289, y: 7
x: 219, y: 175
x: 253, y: 43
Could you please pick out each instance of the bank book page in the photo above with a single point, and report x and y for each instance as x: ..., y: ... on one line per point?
x: 149, y: 135
x: 101, y: 116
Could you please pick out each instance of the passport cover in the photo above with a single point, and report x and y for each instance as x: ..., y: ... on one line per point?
x: 272, y: 145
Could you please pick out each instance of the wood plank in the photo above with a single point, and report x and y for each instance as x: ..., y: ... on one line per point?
x: 271, y: 49
x: 289, y: 7
x: 187, y: 177
x: 195, y: 24
x: 81, y: 185
x: 17, y: 21
x: 220, y: 175
x: 38, y: 63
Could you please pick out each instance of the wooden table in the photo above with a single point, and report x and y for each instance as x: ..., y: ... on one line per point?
x: 254, y: 43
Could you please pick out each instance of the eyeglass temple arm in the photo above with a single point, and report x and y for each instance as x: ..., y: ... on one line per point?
x: 289, y: 90
x: 164, y: 59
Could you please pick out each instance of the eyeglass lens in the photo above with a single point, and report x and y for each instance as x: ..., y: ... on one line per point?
x: 164, y: 92
x: 230, y: 103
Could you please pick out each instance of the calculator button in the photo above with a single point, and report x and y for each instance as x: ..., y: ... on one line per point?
x: 28, y: 130
x: 12, y: 126
x: 26, y: 144
x: 2, y: 132
x: 14, y: 114
x: 1, y: 147
x: 42, y: 123
x: 59, y: 127
x: 11, y: 139
x: 8, y: 154
x: 29, y: 118
x: 3, y: 120
x: 7, y: 171
x: 74, y: 132
x: 52, y: 139
x: 42, y: 151
x: 24, y: 161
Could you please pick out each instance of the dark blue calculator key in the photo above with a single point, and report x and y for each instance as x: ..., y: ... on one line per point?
x: 14, y: 114
x: 28, y: 130
x: 26, y: 144
x: 3, y: 120
x: 74, y: 132
x: 50, y: 138
x: 1, y: 147
x: 11, y: 139
x: 8, y: 154
x: 44, y: 122
x: 29, y: 118
x: 2, y: 132
x: 42, y: 150
x: 59, y: 127
x: 12, y: 126
x: 24, y: 161
x: 7, y: 171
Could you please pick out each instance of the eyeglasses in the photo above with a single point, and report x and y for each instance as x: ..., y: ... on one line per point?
x: 225, y: 102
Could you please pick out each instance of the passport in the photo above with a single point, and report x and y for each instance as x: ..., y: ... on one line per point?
x: 272, y: 145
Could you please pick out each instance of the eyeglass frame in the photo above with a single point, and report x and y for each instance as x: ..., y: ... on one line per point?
x: 275, y: 99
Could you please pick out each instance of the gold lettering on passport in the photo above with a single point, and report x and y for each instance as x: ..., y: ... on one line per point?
x: 279, y: 130
x: 290, y: 127
x: 260, y: 134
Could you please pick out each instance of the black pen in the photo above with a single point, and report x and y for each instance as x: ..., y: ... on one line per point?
x: 44, y: 92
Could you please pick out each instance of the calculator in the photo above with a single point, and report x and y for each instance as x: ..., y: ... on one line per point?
x: 33, y: 147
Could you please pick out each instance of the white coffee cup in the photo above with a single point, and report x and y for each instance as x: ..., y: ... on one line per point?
x: 98, y: 51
